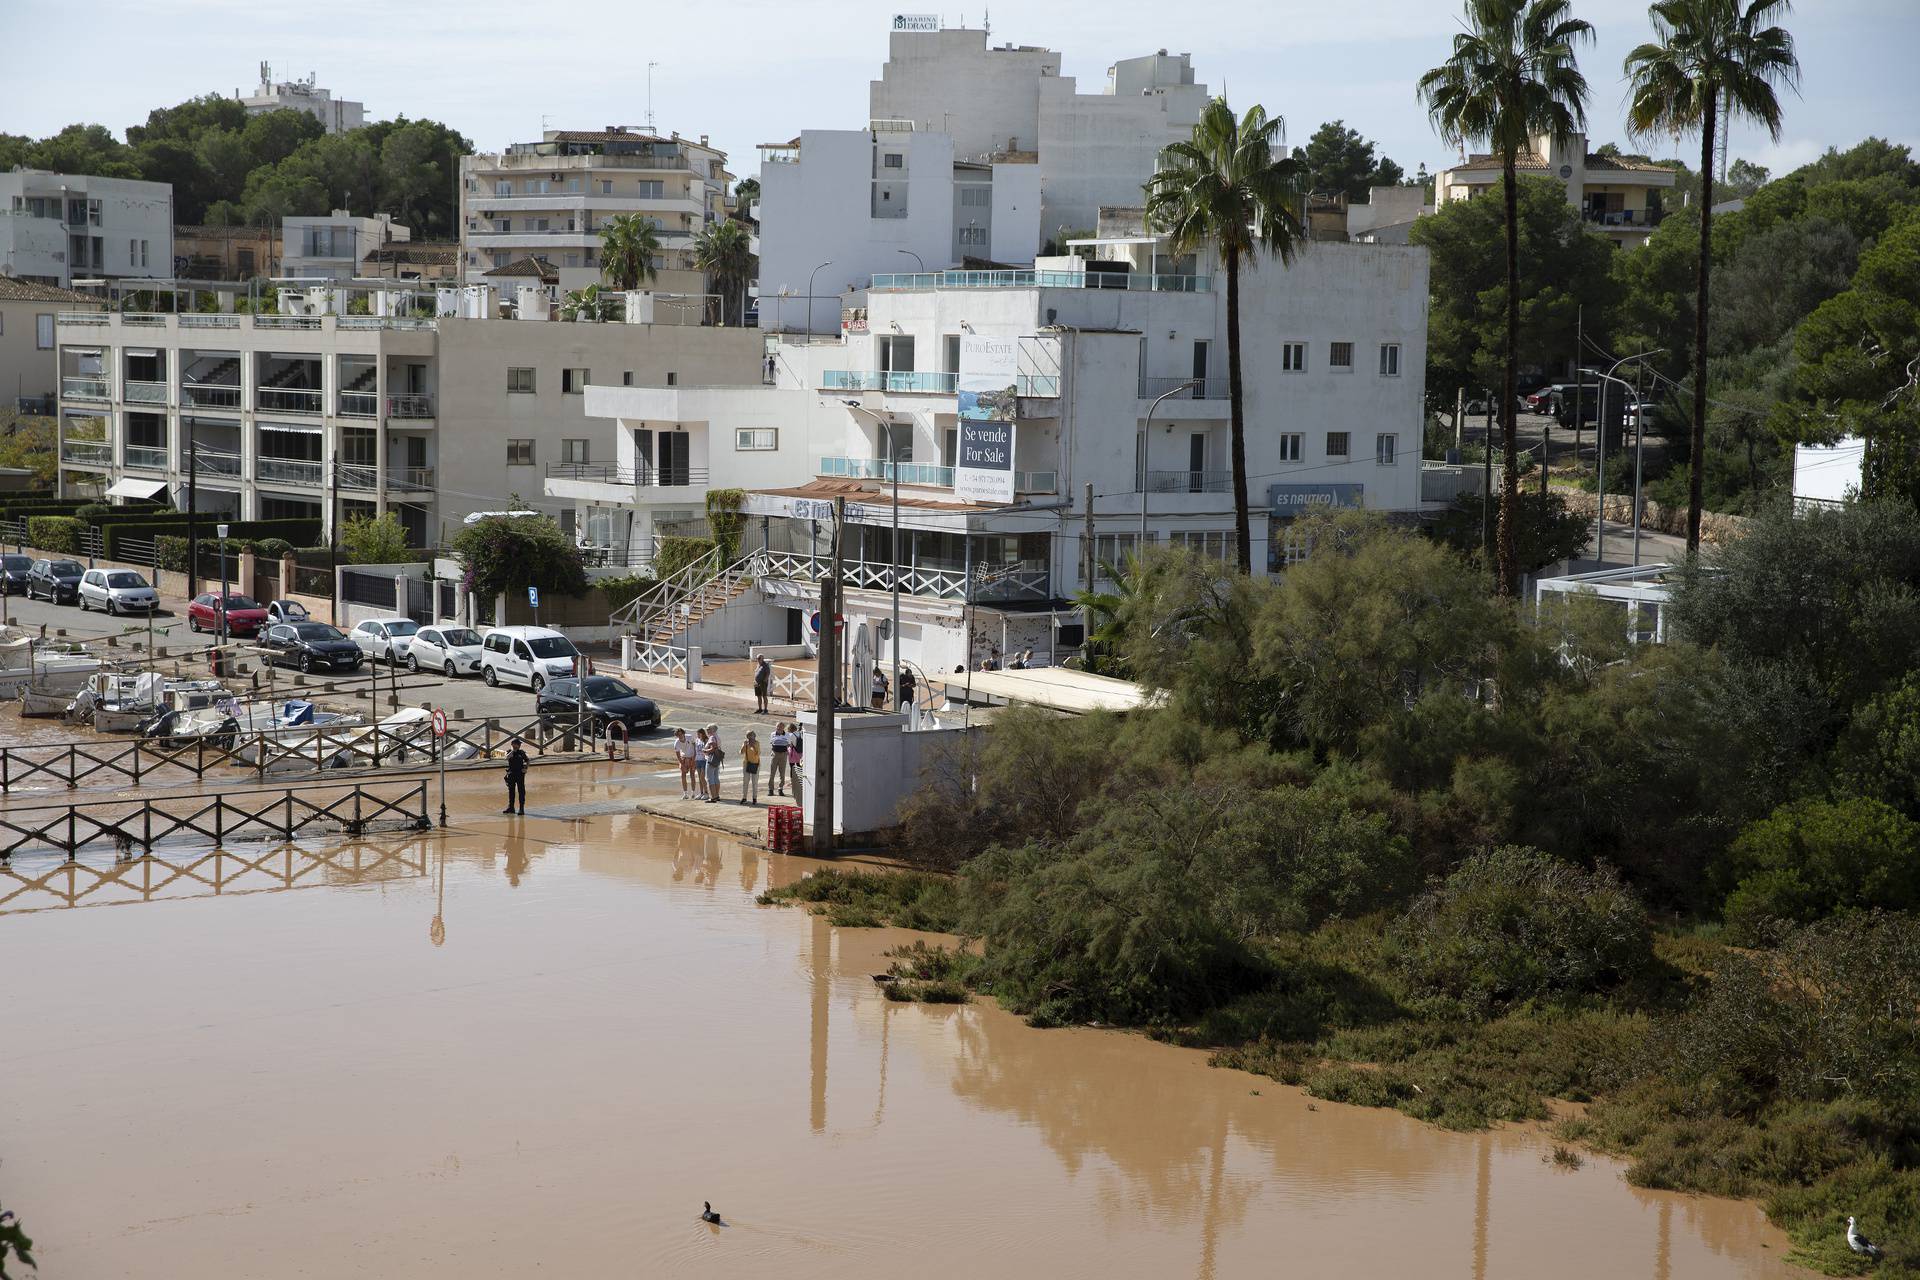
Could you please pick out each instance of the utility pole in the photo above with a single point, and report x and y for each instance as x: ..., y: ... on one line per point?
x: 193, y: 524
x: 1579, y: 353
x: 1459, y: 413
x: 827, y: 686
x: 333, y: 536
x: 1086, y: 577
x: 1546, y: 451
x: 1486, y: 488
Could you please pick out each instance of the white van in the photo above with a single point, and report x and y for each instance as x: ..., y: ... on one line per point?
x: 526, y: 655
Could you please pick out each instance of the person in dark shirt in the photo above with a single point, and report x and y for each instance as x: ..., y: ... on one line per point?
x: 516, y: 777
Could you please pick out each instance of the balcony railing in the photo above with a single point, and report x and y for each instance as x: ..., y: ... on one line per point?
x: 926, y: 474
x: 83, y: 388
x: 88, y: 453
x: 899, y: 380
x: 1027, y: 580
x: 1643, y: 219
x: 359, y: 404
x: 217, y: 462
x: 412, y: 404
x: 411, y: 479
x: 288, y: 399
x: 84, y: 317
x: 356, y: 476
x: 146, y: 457
x: 389, y: 322
x: 146, y: 392
x: 1189, y: 481
x: 644, y: 478
x: 143, y: 320
x: 286, y: 322
x: 190, y: 320
x: 1206, y: 388
x: 533, y: 161
x: 1042, y: 386
x: 1138, y: 281
x: 209, y: 395
x: 302, y: 471
x: 36, y: 406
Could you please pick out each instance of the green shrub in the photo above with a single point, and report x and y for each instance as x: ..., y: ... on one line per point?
x: 865, y: 899
x: 375, y: 540
x: 676, y: 554
x: 273, y: 548
x: 1811, y: 858
x: 507, y: 554
x: 724, y: 518
x: 621, y: 592
x: 1516, y: 924
x: 55, y: 533
x: 171, y: 552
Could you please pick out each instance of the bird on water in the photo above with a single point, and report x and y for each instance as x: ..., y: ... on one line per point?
x: 708, y: 1215
x: 1859, y: 1243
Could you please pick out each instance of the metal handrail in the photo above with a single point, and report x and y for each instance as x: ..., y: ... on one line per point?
x: 1129, y: 280
x: 289, y: 399
x: 1189, y: 481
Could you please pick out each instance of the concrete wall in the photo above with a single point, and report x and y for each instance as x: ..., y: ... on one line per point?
x: 25, y: 369
x: 877, y: 765
x: 1100, y: 148
x: 1017, y: 233
x: 951, y: 82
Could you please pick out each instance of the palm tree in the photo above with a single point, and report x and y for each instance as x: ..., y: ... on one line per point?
x: 723, y: 250
x: 628, y: 246
x: 745, y: 192
x: 1234, y: 187
x: 1511, y: 78
x: 1710, y: 54
x: 588, y: 303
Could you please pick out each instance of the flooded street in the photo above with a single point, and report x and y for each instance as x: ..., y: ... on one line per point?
x: 541, y: 1044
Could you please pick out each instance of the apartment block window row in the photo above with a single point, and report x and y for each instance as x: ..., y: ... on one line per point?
x: 976, y: 197
x: 520, y: 381
x: 756, y: 439
x: 519, y: 453
x: 1115, y: 550
x: 1214, y: 544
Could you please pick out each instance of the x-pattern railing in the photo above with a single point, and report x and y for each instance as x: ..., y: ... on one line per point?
x: 221, y: 872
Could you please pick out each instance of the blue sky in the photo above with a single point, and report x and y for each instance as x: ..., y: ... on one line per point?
x: 748, y: 71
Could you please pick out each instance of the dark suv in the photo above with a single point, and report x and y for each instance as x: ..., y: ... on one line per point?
x: 56, y: 581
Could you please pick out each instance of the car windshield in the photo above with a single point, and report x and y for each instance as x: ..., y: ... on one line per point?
x: 552, y: 647
x: 241, y: 602
x: 317, y: 631
x: 457, y: 637
x: 17, y: 564
x: 125, y: 580
x: 606, y: 689
x: 402, y: 627
x: 66, y: 568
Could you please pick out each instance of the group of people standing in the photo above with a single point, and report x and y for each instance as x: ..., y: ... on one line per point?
x: 701, y: 754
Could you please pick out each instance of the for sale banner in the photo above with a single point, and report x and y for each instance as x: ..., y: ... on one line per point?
x: 988, y: 398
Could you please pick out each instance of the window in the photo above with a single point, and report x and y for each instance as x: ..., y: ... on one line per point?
x: 1337, y: 445
x: 1293, y: 357
x: 976, y: 197
x: 626, y: 377
x: 756, y: 439
x: 606, y: 186
x: 573, y: 381
x: 93, y: 213
x: 503, y: 224
x: 652, y: 189
x: 246, y: 263
x: 133, y: 253
x: 950, y: 353
x: 1384, y: 449
x: 1340, y: 356
x: 573, y: 450
x: 519, y: 453
x: 520, y: 381
x: 573, y: 185
x: 973, y: 235
x: 1291, y: 444
x: 541, y: 224
x: 1112, y: 549
x: 143, y: 253
x: 1389, y: 359
x: 503, y: 187
x: 893, y: 160
x: 43, y: 333
x: 1214, y: 544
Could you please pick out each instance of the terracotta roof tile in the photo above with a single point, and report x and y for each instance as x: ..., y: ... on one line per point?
x: 16, y: 290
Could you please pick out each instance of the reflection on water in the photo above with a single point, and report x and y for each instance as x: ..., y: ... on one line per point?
x: 289, y: 1067
x: 37, y: 883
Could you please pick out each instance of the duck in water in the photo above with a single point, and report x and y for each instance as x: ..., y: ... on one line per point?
x: 708, y: 1215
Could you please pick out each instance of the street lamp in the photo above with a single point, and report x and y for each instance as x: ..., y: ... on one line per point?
x: 893, y: 570
x: 1600, y: 479
x: 816, y: 271
x: 222, y: 531
x: 1146, y: 443
x: 917, y: 260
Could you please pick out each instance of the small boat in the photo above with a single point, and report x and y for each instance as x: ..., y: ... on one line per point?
x: 51, y: 668
x: 118, y: 702
x: 41, y: 701
x: 225, y: 720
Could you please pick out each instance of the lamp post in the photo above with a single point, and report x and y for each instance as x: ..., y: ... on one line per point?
x: 917, y: 260
x: 1600, y: 451
x: 893, y: 570
x: 222, y: 531
x: 816, y: 271
x: 1146, y: 443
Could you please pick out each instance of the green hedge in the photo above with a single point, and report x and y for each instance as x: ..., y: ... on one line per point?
x: 19, y: 508
x: 55, y: 533
x: 677, y: 553
x: 296, y: 530
x: 620, y: 592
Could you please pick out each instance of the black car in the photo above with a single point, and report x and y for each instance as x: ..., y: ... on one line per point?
x: 311, y: 646
x: 13, y: 573
x: 608, y: 701
x: 56, y: 581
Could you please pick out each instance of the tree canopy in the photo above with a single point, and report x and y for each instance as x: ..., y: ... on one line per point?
x: 1337, y: 158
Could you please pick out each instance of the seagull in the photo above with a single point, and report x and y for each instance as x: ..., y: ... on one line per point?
x: 708, y: 1215
x: 1859, y: 1243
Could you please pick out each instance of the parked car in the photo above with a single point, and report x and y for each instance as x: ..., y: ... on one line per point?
x: 55, y: 581
x: 452, y: 651
x: 526, y: 655
x: 311, y: 646
x: 1538, y: 400
x: 13, y: 574
x: 116, y: 591
x: 244, y: 615
x: 608, y: 702
x: 287, y: 611
x: 385, y: 639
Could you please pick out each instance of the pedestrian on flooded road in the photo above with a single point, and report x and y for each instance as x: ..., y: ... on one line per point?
x: 684, y: 755
x: 879, y: 699
x: 762, y: 683
x: 750, y: 769
x: 699, y: 765
x: 777, y: 780
x: 716, y: 757
x: 516, y: 778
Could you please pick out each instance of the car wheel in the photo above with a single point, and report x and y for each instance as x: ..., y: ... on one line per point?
x: 306, y: 664
x: 413, y: 664
x: 492, y: 678
x: 193, y: 623
x: 447, y: 669
x: 112, y: 611
x: 537, y: 682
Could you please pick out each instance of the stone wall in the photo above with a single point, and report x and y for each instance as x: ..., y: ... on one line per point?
x: 1716, y: 527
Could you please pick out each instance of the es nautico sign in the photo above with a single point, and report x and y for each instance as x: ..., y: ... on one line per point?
x: 1287, y: 501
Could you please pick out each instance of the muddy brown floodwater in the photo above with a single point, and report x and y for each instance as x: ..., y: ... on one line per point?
x: 539, y: 1045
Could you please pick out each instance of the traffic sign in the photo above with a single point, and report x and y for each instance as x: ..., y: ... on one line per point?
x: 439, y: 723
x: 533, y: 597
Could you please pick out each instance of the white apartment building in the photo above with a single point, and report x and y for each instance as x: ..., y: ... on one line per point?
x: 550, y: 200
x: 56, y: 228
x: 337, y: 114
x: 1121, y: 385
x: 1092, y: 149
x: 1621, y: 199
x: 838, y: 206
x: 335, y: 247
x: 431, y: 416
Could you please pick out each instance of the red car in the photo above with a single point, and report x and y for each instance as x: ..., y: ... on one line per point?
x: 245, y: 616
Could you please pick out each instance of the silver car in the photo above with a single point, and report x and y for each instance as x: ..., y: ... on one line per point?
x: 117, y: 591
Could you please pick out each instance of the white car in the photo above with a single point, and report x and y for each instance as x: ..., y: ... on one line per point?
x: 526, y: 655
x: 385, y: 639
x: 117, y: 590
x: 452, y: 651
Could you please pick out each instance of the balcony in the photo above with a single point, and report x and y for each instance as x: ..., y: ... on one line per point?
x: 213, y: 462
x: 1039, y: 386
x: 190, y: 320
x: 146, y: 457
x: 926, y: 474
x: 87, y: 453
x: 356, y: 476
x: 902, y: 381
x: 83, y: 387
x: 287, y: 322
x: 1626, y: 219
x: 209, y: 395
x: 1189, y: 482
x: 1025, y: 580
x: 359, y: 404
x: 410, y: 479
x: 668, y: 477
x: 84, y: 317
x: 413, y: 404
x: 1131, y: 281
x: 300, y: 471
x: 1207, y: 388
x: 146, y: 392
x: 532, y: 161
x: 288, y: 400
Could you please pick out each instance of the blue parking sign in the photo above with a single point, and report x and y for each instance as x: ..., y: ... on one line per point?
x: 533, y: 597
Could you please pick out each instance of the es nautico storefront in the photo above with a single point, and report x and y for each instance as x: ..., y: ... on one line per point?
x: 1287, y: 503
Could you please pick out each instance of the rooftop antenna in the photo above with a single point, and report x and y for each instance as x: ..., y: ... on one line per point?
x: 651, y: 127
x: 986, y: 22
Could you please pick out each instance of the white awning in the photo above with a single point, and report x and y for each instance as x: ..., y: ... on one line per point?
x: 137, y: 489
x: 294, y: 428
x: 141, y: 351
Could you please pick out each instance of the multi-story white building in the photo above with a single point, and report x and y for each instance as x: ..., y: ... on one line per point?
x: 1121, y: 387
x: 1622, y: 199
x: 337, y: 114
x: 840, y: 205
x: 335, y: 247
x: 292, y: 415
x: 56, y: 228
x: 550, y: 200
